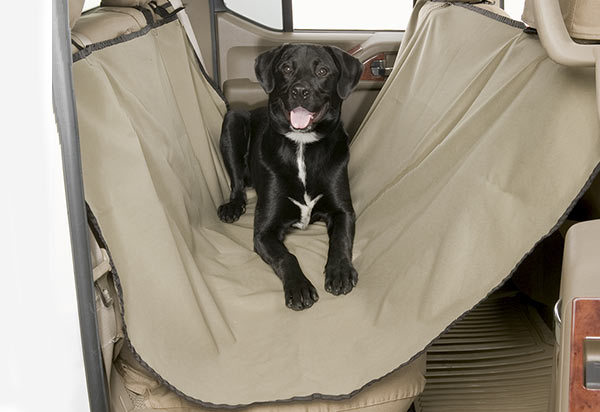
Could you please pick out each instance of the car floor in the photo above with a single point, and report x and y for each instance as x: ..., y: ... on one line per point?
x: 496, y: 358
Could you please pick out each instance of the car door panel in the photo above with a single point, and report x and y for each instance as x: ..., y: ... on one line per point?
x: 240, y: 41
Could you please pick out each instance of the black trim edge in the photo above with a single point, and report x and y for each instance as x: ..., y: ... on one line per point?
x: 485, y: 12
x: 491, y: 14
x: 120, y: 39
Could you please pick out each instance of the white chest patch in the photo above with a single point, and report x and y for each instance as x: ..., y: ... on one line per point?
x: 302, y: 137
x: 309, y: 203
x: 300, y: 163
x: 305, y: 210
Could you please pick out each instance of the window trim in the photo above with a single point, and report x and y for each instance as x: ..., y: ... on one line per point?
x: 219, y: 6
x: 287, y: 16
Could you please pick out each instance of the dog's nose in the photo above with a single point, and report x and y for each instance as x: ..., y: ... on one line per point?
x: 299, y: 91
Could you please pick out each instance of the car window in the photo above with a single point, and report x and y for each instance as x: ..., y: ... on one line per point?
x: 514, y: 8
x: 327, y: 15
x: 351, y: 14
x: 340, y: 14
x: 266, y: 12
x: 333, y: 14
x: 90, y: 4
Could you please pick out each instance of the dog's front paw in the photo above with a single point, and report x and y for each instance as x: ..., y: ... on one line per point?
x: 340, y: 278
x: 300, y: 294
x: 231, y: 211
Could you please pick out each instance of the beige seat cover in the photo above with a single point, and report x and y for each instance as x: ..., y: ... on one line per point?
x: 394, y: 393
x: 474, y: 150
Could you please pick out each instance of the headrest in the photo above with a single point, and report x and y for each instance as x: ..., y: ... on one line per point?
x: 582, y: 17
x: 75, y: 8
x: 124, y: 3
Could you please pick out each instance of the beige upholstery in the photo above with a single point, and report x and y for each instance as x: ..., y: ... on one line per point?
x: 394, y: 393
x: 582, y: 17
x: 581, y: 263
x: 107, y: 23
x: 75, y: 8
x: 456, y: 173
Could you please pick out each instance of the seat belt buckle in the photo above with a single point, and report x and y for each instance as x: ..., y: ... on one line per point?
x: 100, y: 280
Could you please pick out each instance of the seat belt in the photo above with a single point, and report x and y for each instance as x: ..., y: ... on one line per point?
x: 109, y: 318
x: 187, y: 26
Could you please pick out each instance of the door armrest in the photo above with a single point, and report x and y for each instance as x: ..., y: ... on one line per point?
x: 578, y: 318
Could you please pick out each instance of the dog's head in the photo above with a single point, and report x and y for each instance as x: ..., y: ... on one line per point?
x: 306, y: 84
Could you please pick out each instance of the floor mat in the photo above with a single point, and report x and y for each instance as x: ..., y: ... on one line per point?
x: 497, y: 358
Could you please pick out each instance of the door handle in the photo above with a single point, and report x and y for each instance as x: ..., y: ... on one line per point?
x: 379, y: 68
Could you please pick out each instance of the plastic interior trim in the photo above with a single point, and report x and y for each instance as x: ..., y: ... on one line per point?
x: 560, y: 46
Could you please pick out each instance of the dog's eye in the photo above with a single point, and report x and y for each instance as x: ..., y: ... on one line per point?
x: 286, y: 69
x: 322, y: 72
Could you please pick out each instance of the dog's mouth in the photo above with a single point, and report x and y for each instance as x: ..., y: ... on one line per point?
x: 301, y: 119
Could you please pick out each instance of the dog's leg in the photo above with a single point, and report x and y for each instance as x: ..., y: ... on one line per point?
x: 268, y: 243
x: 235, y: 135
x: 298, y: 291
x: 340, y: 275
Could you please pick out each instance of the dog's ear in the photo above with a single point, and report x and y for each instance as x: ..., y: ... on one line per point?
x: 350, y: 69
x: 263, y: 67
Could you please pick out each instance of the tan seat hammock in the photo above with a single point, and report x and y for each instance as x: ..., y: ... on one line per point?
x: 474, y: 151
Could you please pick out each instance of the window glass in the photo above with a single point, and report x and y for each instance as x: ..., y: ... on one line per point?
x: 265, y: 12
x: 514, y: 8
x: 90, y: 4
x: 351, y: 14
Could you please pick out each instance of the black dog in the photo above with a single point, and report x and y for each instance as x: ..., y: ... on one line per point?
x: 295, y: 154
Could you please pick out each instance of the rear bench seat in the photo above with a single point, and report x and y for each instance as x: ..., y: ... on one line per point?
x: 106, y: 23
x: 132, y: 386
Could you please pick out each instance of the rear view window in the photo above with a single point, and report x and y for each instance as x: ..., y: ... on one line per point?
x: 328, y: 14
x: 351, y: 14
x: 514, y: 8
x: 90, y: 4
x: 265, y: 12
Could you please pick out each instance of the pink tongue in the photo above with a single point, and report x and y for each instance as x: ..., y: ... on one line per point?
x: 300, y: 117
